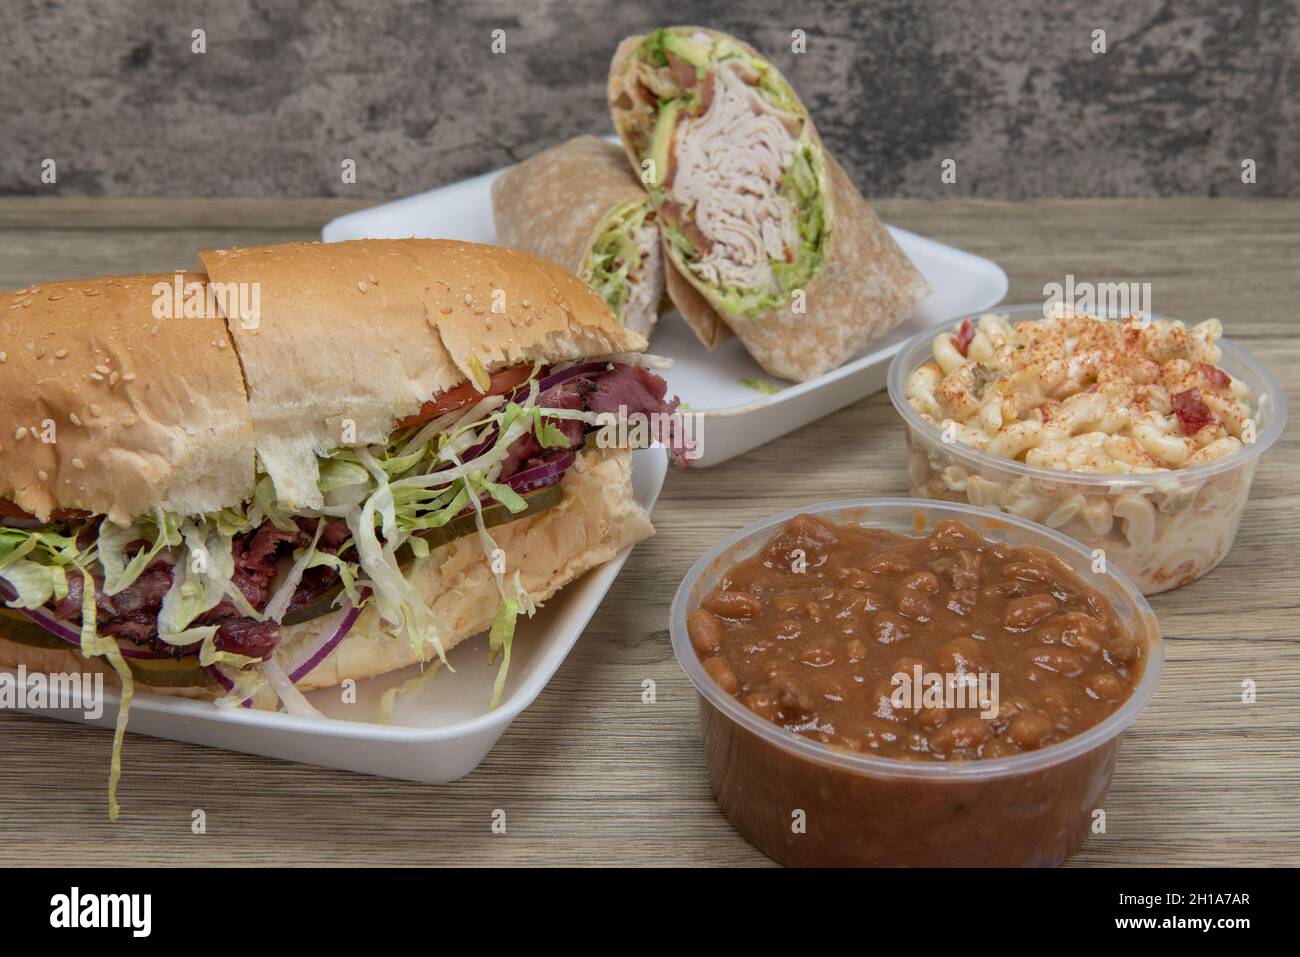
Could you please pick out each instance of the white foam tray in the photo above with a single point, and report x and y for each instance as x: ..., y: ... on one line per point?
x: 439, y: 733
x: 736, y: 417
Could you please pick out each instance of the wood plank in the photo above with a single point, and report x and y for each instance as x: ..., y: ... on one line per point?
x: 591, y: 775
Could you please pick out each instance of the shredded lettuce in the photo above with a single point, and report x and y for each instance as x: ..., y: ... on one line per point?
x: 278, y: 603
x: 201, y: 577
x: 265, y: 501
x: 34, y: 563
x: 389, y: 698
x: 615, y: 254
x: 347, y: 572
x: 246, y: 683
x: 34, y: 583
x: 162, y: 528
x: 397, y: 601
x: 94, y: 644
x: 760, y: 386
x: 293, y: 700
x: 499, y: 641
x: 338, y: 473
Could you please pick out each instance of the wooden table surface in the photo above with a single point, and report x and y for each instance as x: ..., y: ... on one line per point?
x: 590, y: 775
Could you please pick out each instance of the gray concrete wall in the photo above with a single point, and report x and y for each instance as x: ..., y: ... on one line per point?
x: 1011, y: 91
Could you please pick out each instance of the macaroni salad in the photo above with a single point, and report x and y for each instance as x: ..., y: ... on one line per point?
x: 1090, y: 398
x: 1084, y: 394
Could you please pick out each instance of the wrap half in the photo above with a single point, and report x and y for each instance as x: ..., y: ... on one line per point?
x: 578, y: 205
x: 756, y: 215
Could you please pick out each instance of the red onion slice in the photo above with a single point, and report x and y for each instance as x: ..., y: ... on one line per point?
x: 573, y: 372
x: 476, y: 450
x: 54, y: 626
x: 226, y: 684
x: 540, y: 476
x: 318, y: 654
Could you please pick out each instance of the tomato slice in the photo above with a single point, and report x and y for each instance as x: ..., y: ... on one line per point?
x: 9, y: 510
x: 465, y: 393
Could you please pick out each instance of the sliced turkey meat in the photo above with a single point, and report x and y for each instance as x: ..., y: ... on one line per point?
x: 725, y: 184
x: 646, y: 283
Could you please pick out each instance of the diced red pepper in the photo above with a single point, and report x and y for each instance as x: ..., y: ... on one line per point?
x: 965, y: 335
x: 1215, y: 376
x: 1193, y: 414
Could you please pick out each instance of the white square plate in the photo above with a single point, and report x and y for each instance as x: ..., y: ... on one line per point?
x: 736, y: 416
x: 439, y: 732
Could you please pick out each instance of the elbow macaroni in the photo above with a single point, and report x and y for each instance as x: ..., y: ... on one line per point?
x: 1031, y: 385
x: 1097, y: 397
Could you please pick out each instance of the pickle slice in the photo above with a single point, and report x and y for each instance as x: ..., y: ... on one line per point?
x: 156, y: 672
x: 171, y: 672
x: 539, y: 500
x: 495, y: 514
x: 21, y: 629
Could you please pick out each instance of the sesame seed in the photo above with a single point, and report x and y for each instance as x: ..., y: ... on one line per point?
x: 55, y: 296
x: 102, y: 369
x: 221, y: 344
x: 373, y: 280
x: 62, y: 353
x: 22, y: 430
x: 74, y: 418
x: 78, y: 464
x: 129, y: 422
x: 112, y: 379
x: 468, y: 299
x: 362, y: 285
x: 42, y: 474
x: 94, y: 409
x: 97, y: 377
x: 526, y: 303
x: 2, y: 357
x: 128, y: 377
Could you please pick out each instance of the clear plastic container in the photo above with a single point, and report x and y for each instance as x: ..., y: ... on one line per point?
x: 1030, y: 809
x: 1162, y: 529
